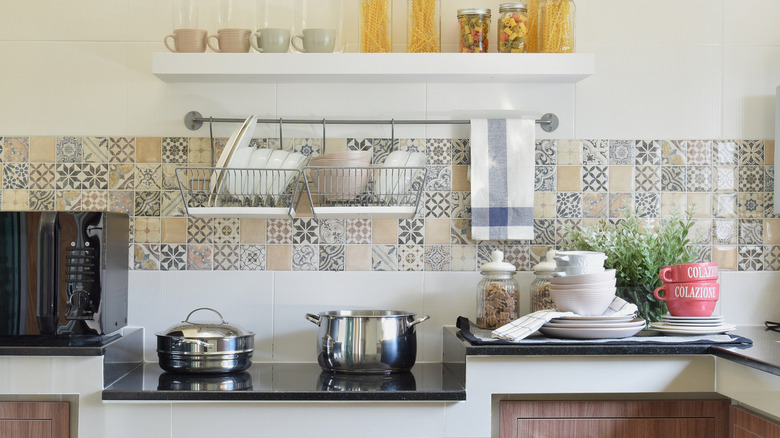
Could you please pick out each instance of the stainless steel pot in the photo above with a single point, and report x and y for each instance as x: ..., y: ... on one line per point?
x: 207, y: 347
x: 366, y: 341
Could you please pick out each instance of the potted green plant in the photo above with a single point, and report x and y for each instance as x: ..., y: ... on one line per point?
x: 637, y: 249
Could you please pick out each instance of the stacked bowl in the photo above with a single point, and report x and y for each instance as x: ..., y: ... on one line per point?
x: 689, y: 289
x: 581, y: 284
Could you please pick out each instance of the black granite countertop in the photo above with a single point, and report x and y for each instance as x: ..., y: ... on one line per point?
x: 763, y: 353
x: 289, y: 382
x: 62, y: 345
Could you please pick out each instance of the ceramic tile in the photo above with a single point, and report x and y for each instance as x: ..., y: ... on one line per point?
x: 305, y: 257
x: 461, y: 152
x: 382, y: 148
x: 544, y: 179
x: 569, y: 178
x: 173, y: 230
x: 147, y: 203
x: 411, y: 144
x: 724, y: 152
x: 568, y: 204
x: 306, y: 231
x: 67, y: 200
x: 595, y: 152
x: 253, y: 257
x: 226, y: 257
x: 772, y: 231
x: 648, y: 152
x: 769, y: 205
x: 199, y: 257
x: 95, y: 176
x: 411, y: 231
x: 358, y: 231
x: 200, y: 230
x: 121, y: 149
x: 460, y: 232
x: 544, y: 232
x: 725, y: 257
x: 594, y: 205
x: 16, y: 175
x: 545, y: 154
x: 169, y: 180
x: 148, y: 177
x: 94, y: 200
x: 384, y: 231
x: 544, y: 205
x: 15, y: 149
x: 701, y: 204
x: 751, y: 178
x: 460, y: 179
x: 519, y: 256
x: 279, y: 257
x: 226, y: 231
x: 148, y: 150
x: 563, y: 229
x: 751, y: 232
x: 358, y: 258
x: 463, y: 257
x: 146, y: 256
x: 724, y: 231
x: 17, y: 200
x: 569, y: 152
x: 751, y: 152
x: 332, y: 258
x: 42, y: 149
x: 769, y: 179
x: 699, y: 152
x: 69, y: 150
x: 121, y: 176
x: 772, y: 257
x: 411, y: 257
x: 438, y: 178
x: 437, y: 204
x: 725, y: 178
x: 437, y: 257
x: 70, y: 176
x: 699, y: 178
x: 647, y: 178
x: 674, y: 152
x: 702, y: 254
x: 437, y: 231
x: 673, y: 178
x: 333, y: 231
x: 173, y: 257
x: 621, y: 152
x: 647, y: 205
x: 769, y: 152
x: 171, y: 204
x: 174, y: 149
x: 750, y: 205
x: 359, y: 144
x: 384, y: 257
x: 439, y: 151
x: 619, y: 202
x: 750, y: 258
x: 701, y: 232
x: 485, y: 252
x: 95, y: 149
x: 279, y: 231
x: 41, y: 200
x: 621, y: 178
x: 252, y: 230
x: 673, y: 203
x: 307, y: 146
x: 121, y: 202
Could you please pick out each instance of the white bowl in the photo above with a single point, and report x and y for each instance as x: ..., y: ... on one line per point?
x: 592, y: 305
x: 578, y: 270
x: 584, y: 278
x: 596, y: 284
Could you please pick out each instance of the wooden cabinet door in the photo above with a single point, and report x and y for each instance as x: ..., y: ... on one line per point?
x: 748, y: 425
x: 615, y: 419
x: 34, y: 420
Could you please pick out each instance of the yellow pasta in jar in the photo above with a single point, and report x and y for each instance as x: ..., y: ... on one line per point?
x: 375, y: 26
x: 556, y: 32
x: 423, y: 27
x: 531, y: 41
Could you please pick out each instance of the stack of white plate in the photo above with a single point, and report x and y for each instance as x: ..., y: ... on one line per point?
x: 692, y: 325
x: 585, y: 294
x: 593, y: 327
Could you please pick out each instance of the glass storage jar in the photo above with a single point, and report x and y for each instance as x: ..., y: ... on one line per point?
x: 474, y: 25
x: 540, y: 287
x: 423, y: 26
x: 512, y: 27
x: 497, y: 294
x: 376, y: 26
x: 556, y: 26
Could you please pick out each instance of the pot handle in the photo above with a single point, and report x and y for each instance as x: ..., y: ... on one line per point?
x: 205, y: 308
x: 313, y: 318
x: 419, y: 320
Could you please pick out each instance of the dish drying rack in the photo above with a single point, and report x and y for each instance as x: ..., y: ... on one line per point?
x: 333, y: 192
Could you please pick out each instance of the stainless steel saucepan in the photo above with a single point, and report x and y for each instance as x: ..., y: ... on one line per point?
x: 366, y: 341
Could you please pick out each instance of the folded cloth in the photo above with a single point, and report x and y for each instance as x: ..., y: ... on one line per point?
x: 528, y: 324
x: 502, y: 179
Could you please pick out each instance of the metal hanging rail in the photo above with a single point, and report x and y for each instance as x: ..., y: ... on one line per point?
x: 193, y: 120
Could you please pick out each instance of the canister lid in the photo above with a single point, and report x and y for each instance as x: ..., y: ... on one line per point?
x: 512, y: 5
x: 548, y: 264
x: 498, y: 264
x: 474, y: 11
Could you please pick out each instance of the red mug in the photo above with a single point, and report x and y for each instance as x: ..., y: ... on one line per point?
x: 696, y: 298
x: 689, y: 272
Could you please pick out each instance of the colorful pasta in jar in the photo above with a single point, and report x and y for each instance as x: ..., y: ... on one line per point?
x: 512, y: 27
x: 474, y: 25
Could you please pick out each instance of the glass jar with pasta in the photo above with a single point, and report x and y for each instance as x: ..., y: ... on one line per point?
x: 474, y: 25
x: 498, y: 298
x: 556, y: 26
x: 376, y: 26
x: 512, y: 27
x: 423, y: 26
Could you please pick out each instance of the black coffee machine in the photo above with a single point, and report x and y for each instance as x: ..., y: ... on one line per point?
x: 63, y: 273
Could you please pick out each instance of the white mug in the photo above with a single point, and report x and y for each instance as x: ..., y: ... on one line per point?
x: 271, y: 40
x: 316, y: 41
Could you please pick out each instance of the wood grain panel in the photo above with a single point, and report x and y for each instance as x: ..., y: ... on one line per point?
x: 617, y: 427
x: 25, y: 429
x: 710, y: 416
x: 56, y: 414
x: 745, y: 424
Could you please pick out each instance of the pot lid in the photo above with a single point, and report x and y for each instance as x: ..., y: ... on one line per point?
x: 498, y: 264
x: 205, y: 330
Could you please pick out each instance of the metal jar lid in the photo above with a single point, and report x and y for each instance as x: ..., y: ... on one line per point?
x: 473, y: 11
x: 512, y: 6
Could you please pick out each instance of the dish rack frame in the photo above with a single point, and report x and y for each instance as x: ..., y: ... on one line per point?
x: 333, y: 192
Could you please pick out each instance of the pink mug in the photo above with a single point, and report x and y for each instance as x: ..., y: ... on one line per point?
x: 689, y: 272
x: 697, y: 298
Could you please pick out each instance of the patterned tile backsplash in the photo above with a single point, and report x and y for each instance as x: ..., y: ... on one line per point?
x: 577, y: 183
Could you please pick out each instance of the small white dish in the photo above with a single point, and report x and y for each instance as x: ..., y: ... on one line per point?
x: 676, y: 330
x: 591, y: 333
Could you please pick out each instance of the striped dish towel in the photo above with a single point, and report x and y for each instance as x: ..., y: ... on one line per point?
x: 528, y: 324
x: 502, y: 179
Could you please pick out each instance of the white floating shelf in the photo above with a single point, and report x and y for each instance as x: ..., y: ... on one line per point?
x: 373, y: 67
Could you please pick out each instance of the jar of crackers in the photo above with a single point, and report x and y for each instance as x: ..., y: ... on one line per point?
x: 497, y: 294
